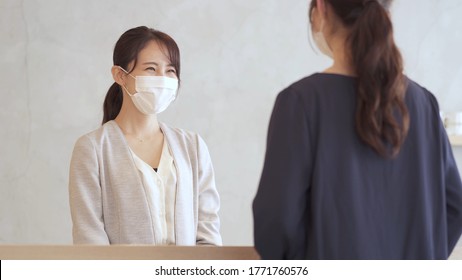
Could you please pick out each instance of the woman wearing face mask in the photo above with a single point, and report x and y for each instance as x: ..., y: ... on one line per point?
x: 136, y: 180
x: 358, y: 164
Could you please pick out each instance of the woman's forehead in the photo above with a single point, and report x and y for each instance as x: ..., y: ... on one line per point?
x: 154, y: 52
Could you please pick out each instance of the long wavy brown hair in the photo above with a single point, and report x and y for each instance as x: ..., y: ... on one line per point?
x: 382, y: 117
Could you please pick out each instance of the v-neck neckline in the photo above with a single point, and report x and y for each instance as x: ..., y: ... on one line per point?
x: 164, y: 145
x: 165, y: 158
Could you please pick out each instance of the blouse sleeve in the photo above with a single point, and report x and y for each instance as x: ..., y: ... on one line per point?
x: 85, y: 195
x: 208, y: 229
x: 281, y: 203
x: 452, y: 182
x: 453, y: 187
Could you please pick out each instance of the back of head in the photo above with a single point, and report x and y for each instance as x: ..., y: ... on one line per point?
x: 126, y: 51
x: 382, y: 118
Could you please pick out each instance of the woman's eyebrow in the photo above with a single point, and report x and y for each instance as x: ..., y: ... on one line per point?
x: 156, y: 64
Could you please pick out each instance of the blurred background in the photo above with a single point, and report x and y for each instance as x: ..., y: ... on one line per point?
x: 237, y: 55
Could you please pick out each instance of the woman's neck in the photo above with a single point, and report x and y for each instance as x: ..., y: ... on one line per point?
x: 342, y: 57
x: 134, y: 123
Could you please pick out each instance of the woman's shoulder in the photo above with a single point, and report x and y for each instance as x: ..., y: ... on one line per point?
x: 98, y: 134
x: 178, y: 132
x: 419, y: 95
x: 184, y: 140
x: 181, y: 135
x: 414, y: 87
x: 320, y: 84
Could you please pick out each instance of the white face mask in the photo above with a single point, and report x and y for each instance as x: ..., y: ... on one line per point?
x: 153, y: 93
x: 321, y: 42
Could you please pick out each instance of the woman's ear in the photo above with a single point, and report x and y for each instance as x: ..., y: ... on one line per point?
x: 118, y: 75
x: 321, y: 7
x: 318, y: 14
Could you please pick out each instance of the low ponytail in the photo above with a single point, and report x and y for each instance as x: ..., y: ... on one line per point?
x: 112, y: 103
x: 382, y: 118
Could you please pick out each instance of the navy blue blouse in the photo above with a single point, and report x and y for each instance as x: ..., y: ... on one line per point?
x: 324, y: 194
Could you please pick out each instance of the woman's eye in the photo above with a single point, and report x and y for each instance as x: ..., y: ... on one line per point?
x: 171, y: 71
x: 151, y: 69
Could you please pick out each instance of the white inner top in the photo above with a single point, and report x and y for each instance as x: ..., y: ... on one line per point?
x: 160, y: 188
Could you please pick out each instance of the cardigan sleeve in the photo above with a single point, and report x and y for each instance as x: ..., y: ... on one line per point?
x: 208, y: 228
x: 281, y: 203
x: 85, y: 195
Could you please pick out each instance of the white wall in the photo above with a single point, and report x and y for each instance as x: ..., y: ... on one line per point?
x: 55, y: 59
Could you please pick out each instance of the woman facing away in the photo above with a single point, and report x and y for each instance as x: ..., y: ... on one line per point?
x: 136, y: 180
x: 358, y: 164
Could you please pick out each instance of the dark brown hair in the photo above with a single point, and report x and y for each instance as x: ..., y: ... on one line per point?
x: 126, y: 50
x: 382, y: 118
